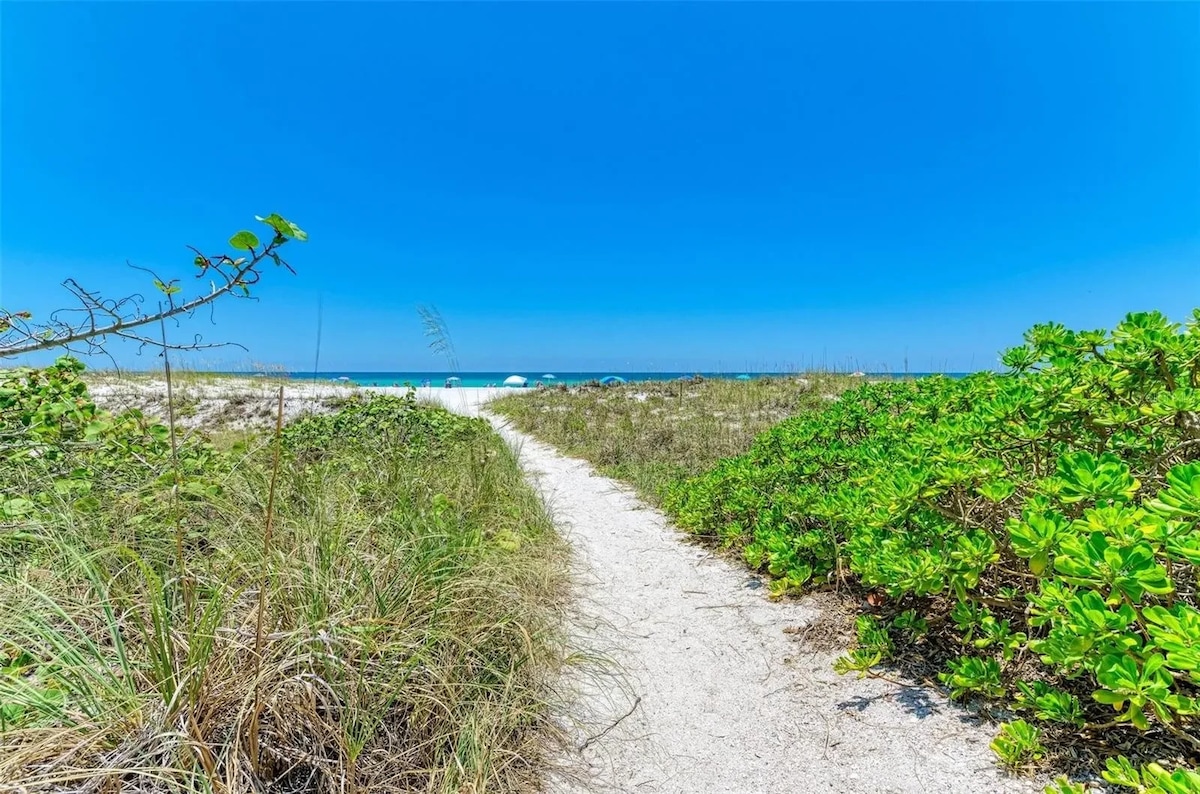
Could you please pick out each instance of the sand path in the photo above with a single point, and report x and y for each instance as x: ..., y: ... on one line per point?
x: 719, y: 698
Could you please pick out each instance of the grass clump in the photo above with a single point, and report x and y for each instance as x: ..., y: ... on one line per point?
x: 397, y: 633
x: 654, y: 434
x: 1029, y: 537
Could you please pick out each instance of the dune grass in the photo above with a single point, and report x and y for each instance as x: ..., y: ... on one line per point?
x: 397, y: 629
x: 654, y: 434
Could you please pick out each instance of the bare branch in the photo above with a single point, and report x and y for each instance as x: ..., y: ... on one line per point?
x: 85, y: 327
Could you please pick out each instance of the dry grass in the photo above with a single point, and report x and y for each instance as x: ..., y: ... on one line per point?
x: 653, y: 434
x: 410, y: 631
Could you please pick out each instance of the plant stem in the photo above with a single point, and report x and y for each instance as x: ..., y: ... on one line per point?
x: 262, y: 584
x: 179, y: 557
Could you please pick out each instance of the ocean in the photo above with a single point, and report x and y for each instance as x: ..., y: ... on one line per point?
x: 550, y: 378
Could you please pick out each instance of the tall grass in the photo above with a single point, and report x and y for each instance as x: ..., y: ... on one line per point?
x: 655, y: 433
x: 409, y: 605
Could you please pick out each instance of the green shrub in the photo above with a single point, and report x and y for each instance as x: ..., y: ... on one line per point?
x: 57, y: 447
x: 400, y: 424
x: 1042, y: 522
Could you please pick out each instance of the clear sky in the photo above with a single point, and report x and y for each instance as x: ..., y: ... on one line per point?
x: 616, y: 185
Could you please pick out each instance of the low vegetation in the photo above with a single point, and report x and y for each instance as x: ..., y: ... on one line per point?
x: 654, y: 434
x: 1030, y: 536
x: 1029, y: 539
x: 366, y: 601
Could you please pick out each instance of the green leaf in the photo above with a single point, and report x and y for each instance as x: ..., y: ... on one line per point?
x: 1121, y: 772
x: 243, y: 241
x: 13, y: 508
x: 283, y: 227
x: 96, y: 428
x: 1181, y: 497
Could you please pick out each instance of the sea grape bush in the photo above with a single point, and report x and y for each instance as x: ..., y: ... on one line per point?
x: 1033, y: 532
x: 400, y: 424
x: 57, y: 446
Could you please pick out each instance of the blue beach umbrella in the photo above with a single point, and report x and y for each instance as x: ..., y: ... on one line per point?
x: 611, y: 379
x: 743, y: 377
x: 454, y: 378
x: 548, y: 376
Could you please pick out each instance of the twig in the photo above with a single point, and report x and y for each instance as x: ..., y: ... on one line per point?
x: 262, y: 586
x: 1179, y: 448
x: 189, y: 607
x: 637, y: 701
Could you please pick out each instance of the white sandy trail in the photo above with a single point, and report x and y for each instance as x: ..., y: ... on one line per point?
x: 725, y: 700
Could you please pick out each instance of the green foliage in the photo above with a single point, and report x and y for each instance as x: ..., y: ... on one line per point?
x: 1048, y: 703
x: 971, y: 675
x: 1153, y: 778
x: 1018, y: 744
x: 410, y: 595
x: 1062, y: 785
x: 56, y: 445
x: 397, y: 423
x: 873, y: 645
x: 654, y: 434
x: 1044, y: 521
x: 283, y: 227
x: 244, y: 241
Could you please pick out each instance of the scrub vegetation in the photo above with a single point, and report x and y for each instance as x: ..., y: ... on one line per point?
x: 1028, y: 538
x: 367, y: 601
x: 655, y: 433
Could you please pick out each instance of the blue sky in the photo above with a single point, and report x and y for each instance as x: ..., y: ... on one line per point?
x: 615, y: 186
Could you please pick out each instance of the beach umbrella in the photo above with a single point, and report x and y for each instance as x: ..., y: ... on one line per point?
x: 548, y: 376
x: 514, y: 380
x: 612, y: 379
x: 743, y: 377
x: 343, y: 378
x: 454, y: 378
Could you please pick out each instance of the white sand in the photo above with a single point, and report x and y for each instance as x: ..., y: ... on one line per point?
x: 725, y: 700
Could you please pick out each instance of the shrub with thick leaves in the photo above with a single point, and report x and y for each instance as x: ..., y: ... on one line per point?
x: 1043, y: 521
x: 57, y: 445
x: 383, y: 421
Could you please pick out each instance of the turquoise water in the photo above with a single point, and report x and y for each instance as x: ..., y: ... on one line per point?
x: 569, y: 378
